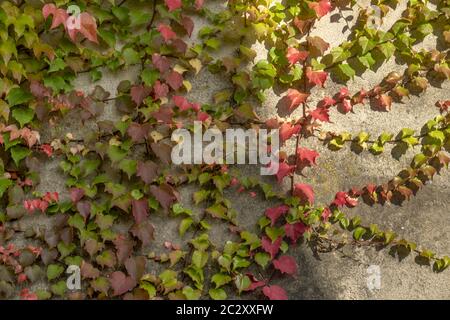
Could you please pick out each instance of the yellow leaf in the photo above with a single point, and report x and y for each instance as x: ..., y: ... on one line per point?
x: 196, y: 64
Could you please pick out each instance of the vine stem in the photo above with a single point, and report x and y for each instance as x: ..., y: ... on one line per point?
x: 304, y: 105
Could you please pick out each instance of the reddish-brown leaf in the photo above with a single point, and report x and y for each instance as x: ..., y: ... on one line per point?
x: 275, y: 292
x: 174, y: 80
x: 166, y: 32
x: 276, y: 212
x: 286, y: 264
x: 295, y: 231
x: 270, y: 247
x: 121, y: 283
x: 147, y: 171
x: 173, y: 4
x: 294, y: 55
x: 304, y: 192
x: 316, y: 77
x: 306, y: 158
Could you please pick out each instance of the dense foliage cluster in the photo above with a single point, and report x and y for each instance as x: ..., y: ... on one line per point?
x: 119, y: 174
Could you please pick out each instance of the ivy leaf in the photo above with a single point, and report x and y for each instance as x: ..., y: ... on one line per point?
x: 166, y: 32
x: 316, y: 77
x: 270, y: 247
x: 293, y: 99
x: 276, y: 212
x: 136, y: 267
x: 275, y: 292
x: 217, y: 294
x: 18, y: 153
x: 321, y: 8
x: 144, y: 232
x: 18, y: 96
x: 321, y: 114
x: 120, y: 283
x: 165, y: 195
x: 295, y: 231
x: 293, y: 55
x: 54, y: 271
x: 173, y: 4
x: 304, y: 192
x: 131, y: 56
x: 147, y: 171
x: 346, y: 70
x: 139, y: 209
x: 287, y: 130
x: 174, y: 80
x: 284, y: 170
x: 306, y: 158
x: 286, y: 264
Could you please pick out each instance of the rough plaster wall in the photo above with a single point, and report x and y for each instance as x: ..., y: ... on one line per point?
x: 424, y: 219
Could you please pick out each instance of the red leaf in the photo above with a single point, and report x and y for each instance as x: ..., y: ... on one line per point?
x: 144, y: 232
x: 181, y: 102
x: 187, y: 24
x: 164, y: 114
x: 286, y: 264
x: 275, y: 292
x: 147, y: 171
x: 173, y: 4
x: 293, y: 55
x: 161, y: 90
x: 295, y: 98
x: 383, y: 102
x: 136, y: 267
x: 166, y: 32
x: 343, y: 93
x: 124, y: 247
x: 138, y: 131
x: 84, y: 208
x: 295, y: 231
x: 88, y: 271
x: 255, y: 283
x: 284, y: 170
x: 326, y: 102
x: 139, y: 209
x: 59, y: 15
x: 306, y: 157
x: 161, y: 63
x: 326, y: 214
x: 165, y: 195
x: 47, y: 149
x: 345, y: 106
x: 287, y: 130
x: 199, y: 4
x: 342, y: 198
x: 321, y: 8
x: 274, y: 213
x: 321, y: 114
x: 121, y: 283
x: 443, y: 105
x: 139, y: 93
x: 202, y: 116
x: 174, y: 80
x: 316, y: 77
x: 271, y: 247
x: 304, y: 192
x: 85, y: 25
x: 76, y: 194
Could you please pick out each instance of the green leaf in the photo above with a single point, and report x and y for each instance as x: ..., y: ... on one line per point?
x: 128, y: 166
x: 184, y: 225
x: 23, y: 115
x: 149, y: 76
x: 4, y: 110
x: 4, y: 185
x: 191, y: 294
x: 199, y: 258
x: 358, y: 233
x: 217, y: 294
x: 18, y: 153
x: 131, y: 56
x: 59, y: 288
x: 387, y: 49
x: 346, y: 70
x: 220, y: 279
x: 262, y: 258
x: 54, y: 271
x: 18, y: 96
